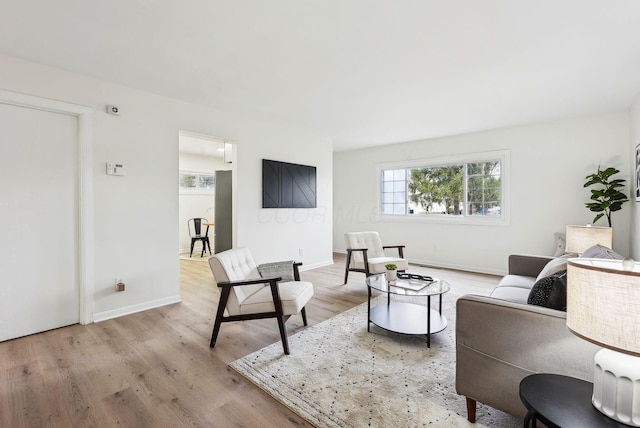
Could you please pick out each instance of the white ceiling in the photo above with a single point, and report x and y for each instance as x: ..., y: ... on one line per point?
x: 200, y: 145
x: 360, y: 72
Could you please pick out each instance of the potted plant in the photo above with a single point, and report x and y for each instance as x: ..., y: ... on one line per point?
x: 606, y: 198
x: 392, y: 271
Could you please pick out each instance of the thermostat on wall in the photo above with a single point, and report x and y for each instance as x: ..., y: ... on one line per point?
x: 114, y: 168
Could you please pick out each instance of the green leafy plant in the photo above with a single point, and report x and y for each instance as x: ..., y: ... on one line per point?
x: 607, y: 198
x: 391, y: 266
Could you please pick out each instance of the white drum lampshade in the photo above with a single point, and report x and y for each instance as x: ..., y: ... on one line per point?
x: 579, y: 238
x: 603, y: 307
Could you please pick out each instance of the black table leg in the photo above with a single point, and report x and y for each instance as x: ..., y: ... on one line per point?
x: 428, y: 321
x: 530, y: 419
x: 369, y: 309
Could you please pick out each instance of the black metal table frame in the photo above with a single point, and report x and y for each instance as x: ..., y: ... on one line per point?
x: 369, y: 287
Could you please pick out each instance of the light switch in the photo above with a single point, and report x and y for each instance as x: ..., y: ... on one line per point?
x: 115, y: 168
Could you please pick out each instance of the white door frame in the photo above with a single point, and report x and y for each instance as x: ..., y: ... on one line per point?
x: 84, y: 117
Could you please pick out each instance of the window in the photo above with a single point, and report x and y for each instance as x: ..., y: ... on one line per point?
x: 197, y: 182
x: 456, y: 188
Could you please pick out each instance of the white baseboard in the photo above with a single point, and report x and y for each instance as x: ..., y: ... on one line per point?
x: 128, y: 310
x: 316, y: 265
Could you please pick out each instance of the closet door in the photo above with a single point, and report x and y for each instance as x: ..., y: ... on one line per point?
x: 39, y: 275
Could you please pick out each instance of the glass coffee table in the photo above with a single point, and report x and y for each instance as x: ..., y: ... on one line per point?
x: 407, y: 317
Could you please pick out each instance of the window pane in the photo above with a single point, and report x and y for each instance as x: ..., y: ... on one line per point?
x: 387, y: 198
x: 400, y: 174
x: 187, y: 181
x: 387, y: 208
x: 484, y: 188
x: 475, y: 168
x: 437, y: 189
x: 387, y: 175
x: 387, y: 186
x: 399, y: 186
x: 206, y: 181
x: 398, y: 209
x: 399, y: 198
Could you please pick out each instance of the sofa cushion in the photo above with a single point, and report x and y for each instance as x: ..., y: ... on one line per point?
x: 550, y: 292
x: 519, y: 281
x: 601, y: 252
x: 512, y: 294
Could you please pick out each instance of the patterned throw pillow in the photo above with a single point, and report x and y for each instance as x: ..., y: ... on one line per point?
x: 281, y: 269
x: 550, y: 292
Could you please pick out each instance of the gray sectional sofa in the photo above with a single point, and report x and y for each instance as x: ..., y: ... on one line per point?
x: 501, y: 339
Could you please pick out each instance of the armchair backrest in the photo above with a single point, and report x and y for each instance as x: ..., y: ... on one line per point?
x: 369, y: 240
x: 235, y: 264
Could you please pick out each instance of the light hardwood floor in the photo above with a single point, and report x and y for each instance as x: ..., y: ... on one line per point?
x: 155, y: 368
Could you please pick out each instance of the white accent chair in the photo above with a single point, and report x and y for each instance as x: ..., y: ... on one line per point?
x: 246, y: 295
x: 365, y: 253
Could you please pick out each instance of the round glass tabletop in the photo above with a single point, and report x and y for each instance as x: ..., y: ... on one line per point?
x: 408, y: 286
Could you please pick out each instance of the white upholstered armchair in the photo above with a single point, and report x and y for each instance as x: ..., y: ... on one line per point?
x: 248, y: 291
x: 365, y: 253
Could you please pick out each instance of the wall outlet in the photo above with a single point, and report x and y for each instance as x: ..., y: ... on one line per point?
x: 119, y: 284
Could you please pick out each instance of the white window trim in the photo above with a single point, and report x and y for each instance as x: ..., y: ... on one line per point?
x: 505, y: 217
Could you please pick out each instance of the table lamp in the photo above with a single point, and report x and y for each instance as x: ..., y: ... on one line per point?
x: 603, y: 307
x: 579, y: 238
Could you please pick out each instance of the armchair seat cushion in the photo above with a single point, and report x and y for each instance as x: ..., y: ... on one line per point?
x: 376, y: 264
x: 293, y: 294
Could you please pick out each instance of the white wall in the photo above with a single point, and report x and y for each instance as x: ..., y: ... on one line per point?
x: 136, y: 216
x: 635, y: 210
x: 197, y: 203
x: 549, y: 162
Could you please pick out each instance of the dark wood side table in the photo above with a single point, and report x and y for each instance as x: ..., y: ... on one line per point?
x: 561, y: 401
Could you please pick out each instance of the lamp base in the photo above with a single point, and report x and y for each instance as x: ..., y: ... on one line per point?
x: 616, y: 386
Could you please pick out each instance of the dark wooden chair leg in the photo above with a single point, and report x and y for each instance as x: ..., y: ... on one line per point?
x: 283, y: 335
x: 277, y: 303
x: 471, y: 410
x: 346, y: 269
x: 304, y: 315
x: 224, y: 296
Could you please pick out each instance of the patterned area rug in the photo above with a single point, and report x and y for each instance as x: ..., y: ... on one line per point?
x: 340, y: 375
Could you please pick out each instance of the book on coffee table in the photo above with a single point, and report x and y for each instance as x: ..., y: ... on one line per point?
x: 412, y: 282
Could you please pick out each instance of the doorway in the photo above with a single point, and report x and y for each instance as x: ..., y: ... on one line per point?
x: 200, y: 156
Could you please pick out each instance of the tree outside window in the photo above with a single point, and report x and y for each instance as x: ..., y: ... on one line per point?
x: 461, y: 189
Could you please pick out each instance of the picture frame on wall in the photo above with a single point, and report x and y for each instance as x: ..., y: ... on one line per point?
x: 638, y: 173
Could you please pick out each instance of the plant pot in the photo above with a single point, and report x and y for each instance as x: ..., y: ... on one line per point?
x: 391, y: 275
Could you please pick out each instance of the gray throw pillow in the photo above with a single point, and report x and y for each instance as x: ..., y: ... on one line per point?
x: 601, y: 252
x: 550, y: 292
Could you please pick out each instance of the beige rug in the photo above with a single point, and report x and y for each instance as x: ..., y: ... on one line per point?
x: 339, y: 375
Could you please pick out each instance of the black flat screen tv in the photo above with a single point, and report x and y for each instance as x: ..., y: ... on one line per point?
x: 288, y: 185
